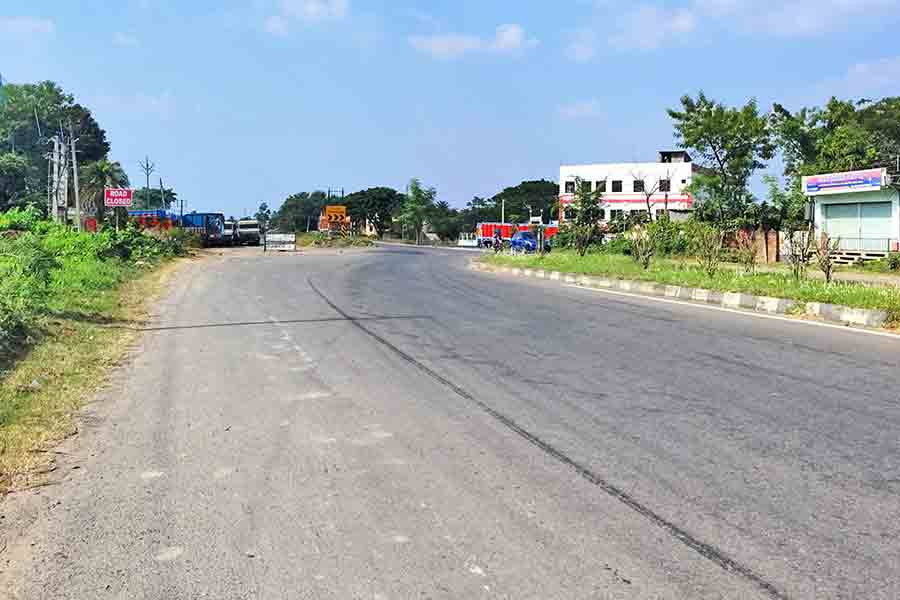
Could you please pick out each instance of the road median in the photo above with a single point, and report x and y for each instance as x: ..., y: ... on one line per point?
x: 834, y: 313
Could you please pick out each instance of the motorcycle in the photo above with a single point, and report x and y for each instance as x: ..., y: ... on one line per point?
x: 498, y: 245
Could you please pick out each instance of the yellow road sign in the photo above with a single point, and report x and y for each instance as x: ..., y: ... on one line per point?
x: 335, y: 212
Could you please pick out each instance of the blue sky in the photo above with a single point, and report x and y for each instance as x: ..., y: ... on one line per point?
x: 240, y: 102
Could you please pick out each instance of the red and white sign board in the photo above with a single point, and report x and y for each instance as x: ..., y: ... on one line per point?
x: 118, y: 197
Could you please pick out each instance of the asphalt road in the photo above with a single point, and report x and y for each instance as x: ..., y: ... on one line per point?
x: 388, y: 424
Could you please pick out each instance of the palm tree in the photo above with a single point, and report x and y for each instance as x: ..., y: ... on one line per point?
x: 98, y: 176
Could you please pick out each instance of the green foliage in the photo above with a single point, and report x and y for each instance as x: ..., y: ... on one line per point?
x: 417, y: 206
x: 619, y: 244
x: 154, y: 198
x: 707, y: 242
x: 263, y: 216
x: 586, y: 209
x: 375, y: 205
x: 46, y: 266
x: 672, y: 272
x: 731, y: 142
x: 840, y: 136
x: 642, y: 244
x: 444, y: 221
x: 44, y: 106
x: 669, y: 236
x: 297, y: 210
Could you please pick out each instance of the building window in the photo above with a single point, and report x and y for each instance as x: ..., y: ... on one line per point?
x: 602, y: 214
x: 615, y: 215
x: 570, y: 187
x: 617, y: 185
x: 638, y: 185
x: 665, y: 185
x: 568, y: 214
x: 683, y: 181
x: 600, y: 186
x: 586, y: 185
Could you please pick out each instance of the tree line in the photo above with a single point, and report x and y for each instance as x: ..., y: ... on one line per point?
x: 385, y: 209
x: 30, y: 115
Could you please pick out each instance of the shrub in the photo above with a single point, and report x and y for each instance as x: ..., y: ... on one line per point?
x: 618, y: 245
x: 670, y: 237
x: 707, y: 242
x: 642, y: 244
x: 25, y: 268
x: 745, y: 253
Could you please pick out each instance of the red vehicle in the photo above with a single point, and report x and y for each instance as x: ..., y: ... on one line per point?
x: 485, y: 232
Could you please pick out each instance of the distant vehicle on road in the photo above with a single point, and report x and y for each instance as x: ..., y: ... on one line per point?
x: 485, y: 232
x: 230, y: 236
x: 209, y: 226
x: 524, y: 241
x: 248, y: 232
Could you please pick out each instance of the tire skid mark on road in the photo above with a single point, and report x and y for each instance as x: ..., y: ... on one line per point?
x: 706, y: 550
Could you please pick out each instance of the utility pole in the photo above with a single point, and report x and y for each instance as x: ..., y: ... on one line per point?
x: 62, y: 184
x: 53, y: 176
x: 148, y: 168
x: 162, y: 195
x: 503, y: 210
x: 75, y: 179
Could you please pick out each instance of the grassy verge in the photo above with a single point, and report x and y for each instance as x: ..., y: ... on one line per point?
x: 317, y: 239
x: 677, y: 272
x: 71, y: 350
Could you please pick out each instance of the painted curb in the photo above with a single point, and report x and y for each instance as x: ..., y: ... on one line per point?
x: 834, y: 313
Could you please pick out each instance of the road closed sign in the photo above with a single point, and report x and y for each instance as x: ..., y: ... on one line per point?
x: 118, y: 197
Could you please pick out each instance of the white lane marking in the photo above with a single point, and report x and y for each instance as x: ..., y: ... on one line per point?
x: 739, y: 312
x: 400, y: 539
x: 223, y: 472
x: 285, y: 424
x: 148, y: 475
x: 324, y: 440
x: 169, y: 554
x: 381, y: 435
x: 313, y: 395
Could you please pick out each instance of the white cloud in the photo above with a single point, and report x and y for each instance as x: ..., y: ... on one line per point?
x: 792, y: 18
x: 583, y: 46
x: 315, y: 10
x: 308, y: 11
x: 25, y: 28
x: 873, y: 77
x: 276, y: 25
x: 509, y: 38
x: 648, y: 27
x: 125, y: 39
x: 581, y: 109
x: 448, y: 45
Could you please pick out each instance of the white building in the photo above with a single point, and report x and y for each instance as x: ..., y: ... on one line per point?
x: 859, y: 207
x: 625, y: 186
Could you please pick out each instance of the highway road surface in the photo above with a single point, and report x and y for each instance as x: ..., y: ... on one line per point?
x: 389, y: 425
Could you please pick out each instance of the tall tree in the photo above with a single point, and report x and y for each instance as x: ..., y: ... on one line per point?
x: 97, y: 176
x: 417, y: 206
x: 375, y: 205
x: 263, y: 215
x: 298, y: 210
x: 445, y: 221
x: 528, y: 198
x: 732, y: 142
x: 13, y: 175
x: 152, y: 198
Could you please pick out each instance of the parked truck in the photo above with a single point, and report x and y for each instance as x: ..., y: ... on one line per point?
x: 485, y: 232
x: 210, y: 227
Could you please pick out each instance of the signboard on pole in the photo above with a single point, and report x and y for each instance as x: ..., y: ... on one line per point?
x: 335, y: 212
x: 869, y: 180
x: 118, y: 197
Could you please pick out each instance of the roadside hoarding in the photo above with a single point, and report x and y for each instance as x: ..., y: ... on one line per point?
x: 869, y: 180
x: 118, y: 197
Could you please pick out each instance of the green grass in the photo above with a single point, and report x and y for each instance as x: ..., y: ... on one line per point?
x: 680, y: 272
x: 317, y: 239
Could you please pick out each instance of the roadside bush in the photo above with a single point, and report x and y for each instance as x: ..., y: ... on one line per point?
x: 888, y: 264
x: 642, y: 244
x: 25, y: 268
x: 707, y: 243
x: 745, y: 253
x: 618, y: 245
x: 19, y: 219
x: 669, y: 236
